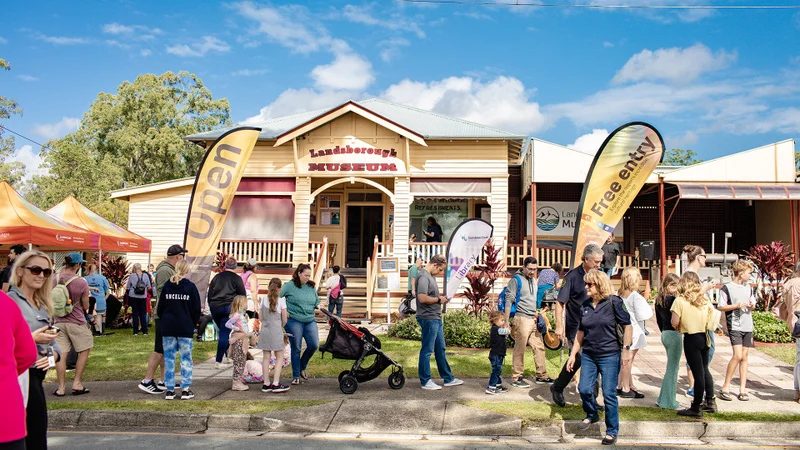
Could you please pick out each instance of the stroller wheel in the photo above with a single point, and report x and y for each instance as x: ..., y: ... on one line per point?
x: 397, y: 380
x: 341, y: 375
x: 348, y: 384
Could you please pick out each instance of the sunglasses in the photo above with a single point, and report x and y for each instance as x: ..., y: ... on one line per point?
x: 588, y: 284
x: 36, y: 270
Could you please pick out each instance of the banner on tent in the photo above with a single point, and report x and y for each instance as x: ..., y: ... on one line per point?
x: 463, y: 250
x: 212, y: 195
x: 619, y: 170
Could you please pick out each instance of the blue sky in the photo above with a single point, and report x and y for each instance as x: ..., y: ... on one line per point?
x: 714, y: 81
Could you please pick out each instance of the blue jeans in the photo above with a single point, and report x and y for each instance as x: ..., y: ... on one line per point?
x: 182, y: 346
x: 334, y: 304
x: 608, y: 368
x: 497, y: 370
x: 433, y: 343
x: 221, y: 316
x: 609, y: 272
x: 300, y: 331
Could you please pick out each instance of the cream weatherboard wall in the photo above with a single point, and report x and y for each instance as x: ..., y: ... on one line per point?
x: 161, y: 217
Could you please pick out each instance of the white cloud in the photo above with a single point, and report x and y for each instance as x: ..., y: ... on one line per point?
x: 348, y: 71
x: 502, y: 102
x: 32, y: 161
x: 673, y: 64
x: 136, y: 32
x: 293, y: 101
x: 590, y: 143
x: 390, y: 21
x: 198, y: 49
x: 59, y: 129
x: 3, y: 40
x: 60, y: 40
x: 27, y: 78
x: 475, y: 15
x: 391, y: 48
x: 607, y: 44
x: 660, y: 15
x: 685, y: 140
x: 249, y: 72
x: 145, y: 52
x: 118, y: 44
x: 289, y: 26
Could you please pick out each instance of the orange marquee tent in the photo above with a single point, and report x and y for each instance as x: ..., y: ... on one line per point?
x: 113, y: 238
x: 21, y: 222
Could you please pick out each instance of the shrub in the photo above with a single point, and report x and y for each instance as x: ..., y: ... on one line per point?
x: 773, y: 267
x: 482, y: 281
x: 769, y: 328
x: 460, y: 330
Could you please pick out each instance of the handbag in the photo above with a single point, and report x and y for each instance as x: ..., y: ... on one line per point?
x: 796, y: 330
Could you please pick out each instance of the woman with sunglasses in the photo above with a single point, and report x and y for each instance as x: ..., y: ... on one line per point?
x: 599, y: 339
x: 30, y: 288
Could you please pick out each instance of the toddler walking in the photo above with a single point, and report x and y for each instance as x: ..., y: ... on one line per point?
x: 239, y: 340
x: 273, y: 316
x: 497, y: 352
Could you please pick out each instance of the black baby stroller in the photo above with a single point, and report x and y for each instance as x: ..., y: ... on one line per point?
x: 348, y: 342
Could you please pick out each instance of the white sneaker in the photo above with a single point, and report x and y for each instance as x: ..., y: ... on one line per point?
x: 454, y: 382
x: 431, y: 386
x: 222, y: 365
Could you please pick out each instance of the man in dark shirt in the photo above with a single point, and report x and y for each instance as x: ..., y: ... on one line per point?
x: 5, y: 275
x: 573, y: 296
x: 221, y: 291
x: 611, y: 251
x: 434, y: 232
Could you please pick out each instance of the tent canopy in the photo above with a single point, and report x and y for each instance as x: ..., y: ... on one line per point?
x: 21, y: 222
x: 113, y: 238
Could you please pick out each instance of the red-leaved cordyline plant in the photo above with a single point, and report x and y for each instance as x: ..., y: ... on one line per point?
x: 116, y: 270
x: 481, y: 281
x: 219, y: 262
x: 773, y: 267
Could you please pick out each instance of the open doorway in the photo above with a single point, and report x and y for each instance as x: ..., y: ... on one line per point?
x: 363, y: 224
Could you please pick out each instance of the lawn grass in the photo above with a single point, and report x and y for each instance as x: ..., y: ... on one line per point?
x: 464, y: 362
x: 785, y: 353
x: 193, y: 406
x: 537, y: 413
x: 123, y: 356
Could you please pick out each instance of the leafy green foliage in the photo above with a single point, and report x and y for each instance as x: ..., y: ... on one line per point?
x: 774, y: 264
x: 769, y: 328
x: 129, y: 138
x: 11, y: 171
x: 461, y: 329
x: 680, y: 157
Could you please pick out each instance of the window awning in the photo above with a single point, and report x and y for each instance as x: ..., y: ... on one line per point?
x: 739, y: 191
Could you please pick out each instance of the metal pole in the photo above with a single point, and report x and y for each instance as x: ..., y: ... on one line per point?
x: 534, y: 244
x: 100, y: 262
x: 388, y: 307
x: 662, y: 228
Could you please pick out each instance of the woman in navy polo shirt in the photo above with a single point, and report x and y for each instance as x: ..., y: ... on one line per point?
x: 602, y: 350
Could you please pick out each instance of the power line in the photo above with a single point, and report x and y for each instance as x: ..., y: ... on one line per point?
x: 44, y: 147
x: 596, y: 6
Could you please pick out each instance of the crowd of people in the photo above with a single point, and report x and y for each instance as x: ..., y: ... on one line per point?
x: 603, y: 328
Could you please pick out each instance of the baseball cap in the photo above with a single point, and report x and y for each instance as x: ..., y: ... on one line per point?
x: 252, y: 262
x: 176, y: 250
x: 75, y: 258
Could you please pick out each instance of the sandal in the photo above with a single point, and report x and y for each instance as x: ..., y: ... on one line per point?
x: 296, y: 381
x: 304, y: 375
x: 743, y: 397
x: 725, y: 396
x: 57, y: 394
x: 80, y: 391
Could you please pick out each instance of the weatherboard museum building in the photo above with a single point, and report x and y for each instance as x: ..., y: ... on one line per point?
x: 360, y: 178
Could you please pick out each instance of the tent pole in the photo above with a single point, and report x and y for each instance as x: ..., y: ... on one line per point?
x: 100, y: 262
x: 30, y: 246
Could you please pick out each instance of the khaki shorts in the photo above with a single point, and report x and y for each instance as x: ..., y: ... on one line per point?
x: 74, y: 335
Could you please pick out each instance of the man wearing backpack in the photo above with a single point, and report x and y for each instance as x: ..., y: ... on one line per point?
x: 137, y: 287
x: 523, y: 288
x: 73, y: 330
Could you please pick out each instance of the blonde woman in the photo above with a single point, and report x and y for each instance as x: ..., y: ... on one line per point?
x: 692, y: 316
x: 640, y: 312
x: 178, y: 312
x: 598, y: 338
x: 737, y: 300
x: 30, y: 286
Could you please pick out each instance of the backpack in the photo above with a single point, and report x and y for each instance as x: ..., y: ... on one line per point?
x: 342, y: 282
x: 140, y: 288
x: 501, y: 299
x: 62, y: 303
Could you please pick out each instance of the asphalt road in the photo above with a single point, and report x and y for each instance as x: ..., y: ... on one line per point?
x: 150, y: 441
